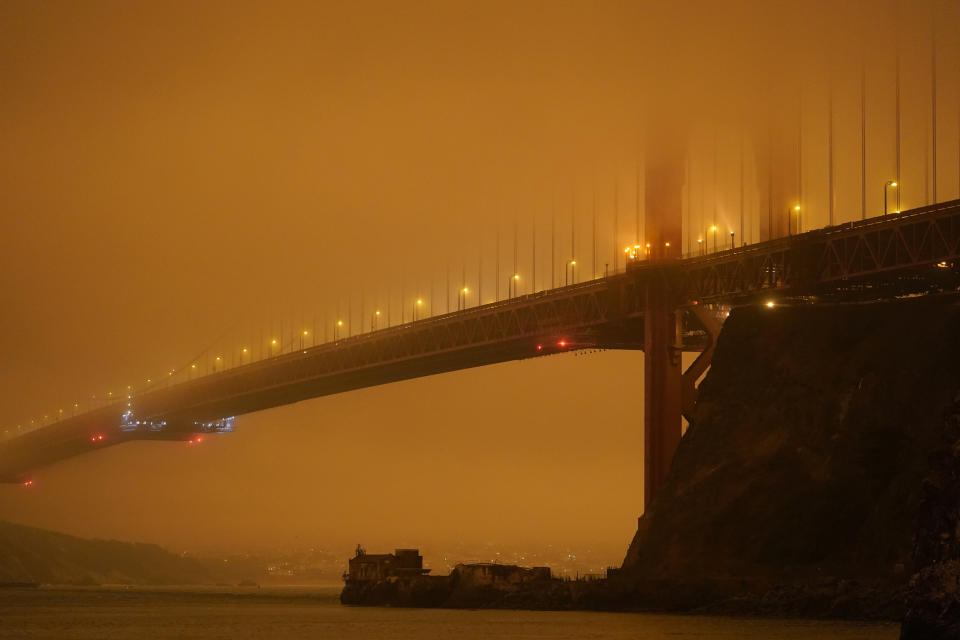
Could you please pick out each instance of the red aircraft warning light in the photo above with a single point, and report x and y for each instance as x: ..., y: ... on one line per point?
x: 28, y: 483
x: 539, y: 347
x: 562, y: 343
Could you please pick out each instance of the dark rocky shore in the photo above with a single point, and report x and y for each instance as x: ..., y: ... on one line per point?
x: 820, y: 477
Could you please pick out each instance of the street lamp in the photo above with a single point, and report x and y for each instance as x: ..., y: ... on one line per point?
x: 733, y: 244
x: 512, y: 285
x: 886, y: 189
x: 416, y: 307
x: 462, y: 299
x: 336, y: 330
x: 373, y: 320
x: 700, y: 246
x: 569, y: 273
x: 796, y: 209
x: 714, y: 229
x: 303, y: 335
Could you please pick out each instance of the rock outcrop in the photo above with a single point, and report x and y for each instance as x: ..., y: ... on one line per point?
x: 933, y: 597
x: 818, y: 473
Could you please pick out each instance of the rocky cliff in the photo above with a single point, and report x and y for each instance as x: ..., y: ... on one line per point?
x: 819, y: 472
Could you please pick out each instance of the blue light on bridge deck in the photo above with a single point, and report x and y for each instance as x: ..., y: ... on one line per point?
x: 224, y: 425
x: 128, y: 423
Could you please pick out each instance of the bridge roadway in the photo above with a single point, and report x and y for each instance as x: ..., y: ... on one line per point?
x: 662, y: 306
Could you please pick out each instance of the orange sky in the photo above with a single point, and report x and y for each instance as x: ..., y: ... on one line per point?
x: 171, y: 171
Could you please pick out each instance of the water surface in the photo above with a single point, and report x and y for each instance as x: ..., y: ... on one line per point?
x: 303, y: 612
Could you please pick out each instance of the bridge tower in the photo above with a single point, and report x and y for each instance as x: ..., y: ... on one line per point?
x: 663, y: 375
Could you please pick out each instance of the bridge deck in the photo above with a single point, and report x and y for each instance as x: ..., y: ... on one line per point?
x: 602, y: 313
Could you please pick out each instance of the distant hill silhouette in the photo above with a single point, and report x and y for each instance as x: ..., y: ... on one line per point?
x: 28, y: 554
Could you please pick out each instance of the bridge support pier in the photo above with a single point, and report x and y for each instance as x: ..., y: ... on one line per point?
x: 702, y: 363
x: 662, y: 380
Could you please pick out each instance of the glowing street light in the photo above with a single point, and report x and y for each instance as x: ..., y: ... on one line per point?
x: 416, y: 307
x: 790, y: 213
x: 890, y: 184
x: 570, y: 273
x: 462, y: 299
x: 373, y: 320
x: 770, y: 304
x: 336, y: 330
x: 303, y: 334
x: 512, y: 285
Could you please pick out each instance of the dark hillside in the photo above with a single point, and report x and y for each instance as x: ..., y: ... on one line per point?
x: 35, y: 555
